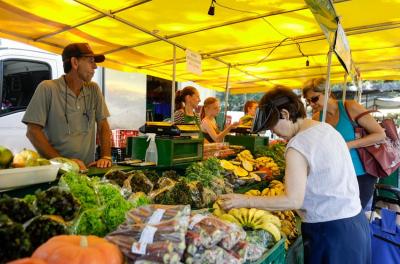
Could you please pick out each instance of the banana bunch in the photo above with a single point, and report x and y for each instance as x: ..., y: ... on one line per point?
x: 275, y: 188
x: 267, y: 163
x: 253, y: 193
x: 288, y: 226
x: 254, y: 219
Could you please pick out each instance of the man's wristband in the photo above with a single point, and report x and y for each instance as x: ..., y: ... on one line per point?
x: 107, y: 158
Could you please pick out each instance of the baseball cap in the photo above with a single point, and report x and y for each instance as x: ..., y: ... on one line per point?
x: 80, y: 50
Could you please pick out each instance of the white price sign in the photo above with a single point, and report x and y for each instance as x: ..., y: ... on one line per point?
x: 193, y: 62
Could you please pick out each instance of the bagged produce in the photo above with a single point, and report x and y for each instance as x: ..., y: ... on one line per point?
x: 90, y: 222
x: 138, y: 182
x: 116, y: 176
x: 67, y: 165
x: 153, y: 233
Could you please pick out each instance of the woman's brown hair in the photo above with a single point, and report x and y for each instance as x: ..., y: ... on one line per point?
x: 207, y: 102
x: 278, y: 98
x: 180, y: 96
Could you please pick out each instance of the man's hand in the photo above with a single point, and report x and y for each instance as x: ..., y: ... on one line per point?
x: 104, y: 162
x: 82, y: 166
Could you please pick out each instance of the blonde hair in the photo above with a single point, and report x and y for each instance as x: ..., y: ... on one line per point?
x: 209, y: 101
x: 315, y: 85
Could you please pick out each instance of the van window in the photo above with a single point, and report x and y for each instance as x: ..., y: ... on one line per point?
x: 20, y: 79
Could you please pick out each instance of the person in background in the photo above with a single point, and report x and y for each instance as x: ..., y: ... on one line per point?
x: 250, y: 109
x: 338, y: 117
x: 325, y: 194
x: 209, y: 112
x: 186, y: 102
x: 62, y: 114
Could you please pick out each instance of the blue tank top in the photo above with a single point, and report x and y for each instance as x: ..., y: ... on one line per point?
x: 346, y: 129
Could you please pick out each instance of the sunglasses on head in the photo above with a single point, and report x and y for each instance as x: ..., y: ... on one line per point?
x: 313, y: 100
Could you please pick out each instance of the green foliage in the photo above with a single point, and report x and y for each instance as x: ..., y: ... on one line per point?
x: 81, y: 188
x: 204, y: 172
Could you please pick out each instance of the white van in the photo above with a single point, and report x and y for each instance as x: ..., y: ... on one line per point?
x: 22, y: 68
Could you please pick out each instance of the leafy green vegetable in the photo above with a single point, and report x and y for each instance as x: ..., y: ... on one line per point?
x: 16, y: 209
x: 41, y: 228
x: 204, y: 172
x: 15, y: 241
x: 56, y: 201
x: 139, y: 182
x: 81, y: 188
x: 139, y: 199
x: 107, y: 192
x: 29, y: 199
x: 91, y: 222
x: 114, y: 212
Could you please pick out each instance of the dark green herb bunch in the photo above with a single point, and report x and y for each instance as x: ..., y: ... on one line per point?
x: 16, y: 209
x: 41, y: 228
x: 15, y: 241
x: 56, y: 201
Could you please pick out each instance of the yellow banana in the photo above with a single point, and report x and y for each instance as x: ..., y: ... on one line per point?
x: 272, y: 229
x: 217, y: 209
x: 265, y: 192
x: 252, y: 212
x: 244, y: 212
x: 230, y: 218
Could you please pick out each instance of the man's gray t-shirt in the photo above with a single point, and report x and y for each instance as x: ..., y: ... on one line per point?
x: 68, y: 120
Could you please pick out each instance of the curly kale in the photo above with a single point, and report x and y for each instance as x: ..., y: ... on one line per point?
x: 16, y: 209
x: 15, y: 241
x: 56, y: 201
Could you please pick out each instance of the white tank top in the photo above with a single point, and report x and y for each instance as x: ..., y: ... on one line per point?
x: 332, y: 189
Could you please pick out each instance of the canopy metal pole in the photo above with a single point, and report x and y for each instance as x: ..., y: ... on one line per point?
x: 173, y: 84
x: 359, y: 90
x: 344, y: 87
x: 327, y: 84
x: 227, y: 88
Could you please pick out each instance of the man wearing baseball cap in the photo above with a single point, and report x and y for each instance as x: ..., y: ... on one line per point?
x: 61, y: 118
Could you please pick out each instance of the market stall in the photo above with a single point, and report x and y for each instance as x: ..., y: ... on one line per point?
x: 179, y: 206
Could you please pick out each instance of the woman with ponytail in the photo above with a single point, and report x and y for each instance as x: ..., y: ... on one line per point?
x: 186, y: 102
x: 210, y: 110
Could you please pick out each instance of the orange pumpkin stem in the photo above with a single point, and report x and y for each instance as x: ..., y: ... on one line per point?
x: 84, y: 242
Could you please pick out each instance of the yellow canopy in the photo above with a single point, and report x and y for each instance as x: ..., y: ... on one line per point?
x: 266, y: 42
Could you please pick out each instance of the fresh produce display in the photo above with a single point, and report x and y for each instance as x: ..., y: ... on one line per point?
x: 288, y: 227
x: 15, y: 241
x: 81, y: 188
x: 205, y: 172
x: 275, y: 150
x: 56, y: 201
x: 116, y: 176
x: 251, y: 219
x: 275, y: 188
x: 67, y: 165
x: 16, y: 209
x: 70, y: 249
x: 138, y: 182
x: 153, y: 233
x: 26, y: 158
x: 90, y: 221
x: 6, y: 157
x: 41, y: 228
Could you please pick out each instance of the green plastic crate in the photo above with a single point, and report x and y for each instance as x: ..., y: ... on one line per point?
x: 248, y: 141
x: 295, y: 253
x: 275, y: 255
x: 171, y: 151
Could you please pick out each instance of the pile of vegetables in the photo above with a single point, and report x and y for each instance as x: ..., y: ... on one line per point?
x: 205, y: 171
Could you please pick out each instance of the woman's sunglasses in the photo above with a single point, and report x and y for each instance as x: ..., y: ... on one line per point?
x: 313, y: 100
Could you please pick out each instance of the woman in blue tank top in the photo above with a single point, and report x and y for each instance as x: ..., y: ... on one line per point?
x: 338, y: 117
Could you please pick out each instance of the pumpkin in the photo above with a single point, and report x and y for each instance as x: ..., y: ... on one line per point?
x: 28, y: 261
x: 71, y: 249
